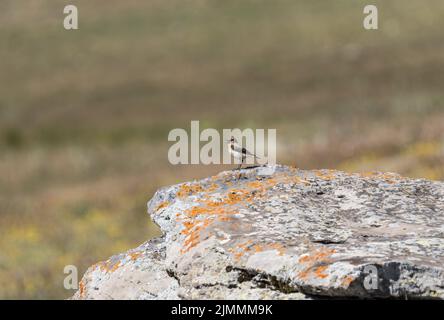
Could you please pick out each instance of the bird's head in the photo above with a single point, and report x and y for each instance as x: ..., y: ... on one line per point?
x: 232, y: 140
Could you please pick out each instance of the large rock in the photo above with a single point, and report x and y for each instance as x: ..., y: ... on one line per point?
x: 293, y: 235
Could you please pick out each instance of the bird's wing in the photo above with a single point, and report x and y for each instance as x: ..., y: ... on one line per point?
x: 248, y: 153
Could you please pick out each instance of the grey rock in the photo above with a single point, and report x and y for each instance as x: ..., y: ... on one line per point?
x: 137, y: 274
x: 293, y: 235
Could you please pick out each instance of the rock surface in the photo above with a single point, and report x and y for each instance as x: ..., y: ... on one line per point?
x: 293, y: 235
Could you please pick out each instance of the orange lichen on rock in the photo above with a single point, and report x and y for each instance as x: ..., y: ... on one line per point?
x: 115, y: 266
x: 325, y: 174
x: 108, y: 266
x: 81, y: 289
x: 208, y: 207
x: 316, y: 263
x: 283, y: 178
x: 162, y: 205
x: 255, y: 185
x: 272, y: 181
x: 275, y: 246
x: 191, y: 241
x: 319, y: 272
x: 220, y: 209
x: 134, y: 255
x: 189, y: 226
x: 258, y: 248
x: 279, y: 247
x: 347, y: 280
x: 196, y: 210
x: 189, y: 189
x: 239, y: 250
x: 248, y: 247
x: 226, y: 205
x: 245, y: 244
x: 388, y: 177
x: 235, y: 196
x: 212, y: 187
x: 225, y: 218
x: 320, y: 255
x: 212, y: 208
x: 192, y: 232
x: 369, y: 174
x: 297, y: 179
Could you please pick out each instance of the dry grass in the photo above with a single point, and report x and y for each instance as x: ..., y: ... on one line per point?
x: 84, y: 115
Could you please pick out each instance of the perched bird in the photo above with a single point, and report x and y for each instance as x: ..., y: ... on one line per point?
x: 239, y: 152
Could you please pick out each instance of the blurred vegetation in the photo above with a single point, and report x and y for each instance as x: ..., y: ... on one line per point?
x: 84, y: 115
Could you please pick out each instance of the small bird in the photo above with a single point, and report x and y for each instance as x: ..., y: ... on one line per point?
x: 239, y: 152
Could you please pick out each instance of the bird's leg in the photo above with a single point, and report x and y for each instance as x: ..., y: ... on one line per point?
x: 240, y: 166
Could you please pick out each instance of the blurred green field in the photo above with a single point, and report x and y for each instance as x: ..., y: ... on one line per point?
x: 84, y: 115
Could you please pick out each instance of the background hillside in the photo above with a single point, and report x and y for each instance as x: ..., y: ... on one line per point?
x: 84, y: 115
